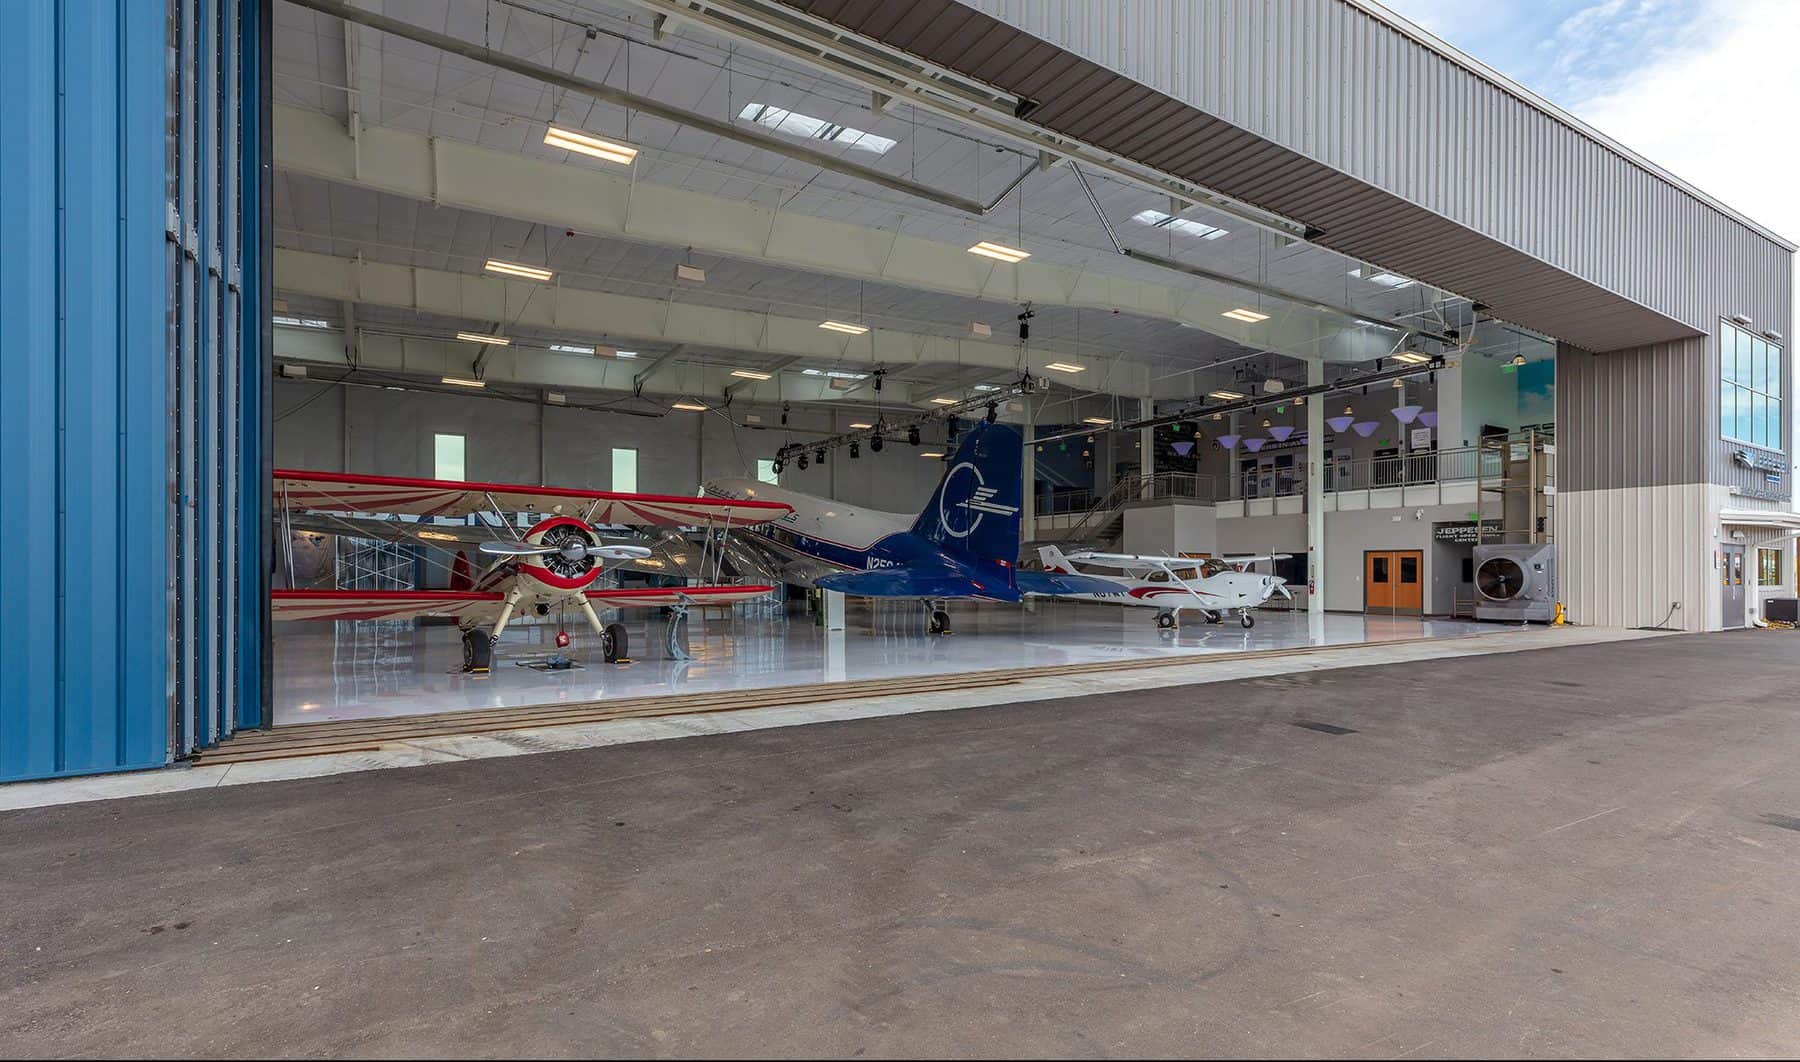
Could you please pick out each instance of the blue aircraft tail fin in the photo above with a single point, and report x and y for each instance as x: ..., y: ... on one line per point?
x: 975, y: 509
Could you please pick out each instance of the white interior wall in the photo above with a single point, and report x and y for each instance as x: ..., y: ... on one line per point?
x: 1171, y: 529
x: 374, y: 430
x: 1348, y: 535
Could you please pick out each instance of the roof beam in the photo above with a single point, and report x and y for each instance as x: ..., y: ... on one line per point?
x: 609, y: 317
x: 575, y: 197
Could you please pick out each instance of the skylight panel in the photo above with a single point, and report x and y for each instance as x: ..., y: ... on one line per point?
x: 807, y: 127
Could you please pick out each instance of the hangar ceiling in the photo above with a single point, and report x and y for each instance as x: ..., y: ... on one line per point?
x: 392, y: 153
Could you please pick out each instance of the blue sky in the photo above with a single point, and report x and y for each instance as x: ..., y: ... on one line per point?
x: 1709, y: 89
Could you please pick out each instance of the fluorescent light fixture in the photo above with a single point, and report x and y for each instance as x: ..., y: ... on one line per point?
x: 691, y: 273
x: 1100, y: 421
x: 479, y: 337
x: 840, y: 326
x: 462, y: 382
x: 999, y: 252
x: 861, y: 427
x: 835, y: 374
x: 1411, y: 357
x: 626, y: 354
x: 942, y: 401
x: 1156, y: 219
x: 293, y: 372
x: 556, y: 398
x: 752, y: 374
x: 1224, y: 395
x: 987, y: 387
x: 932, y: 453
x: 752, y: 418
x: 1246, y: 316
x: 1063, y: 366
x: 981, y: 329
x: 691, y: 407
x: 437, y: 536
x: 1382, y: 279
x: 570, y: 140
x: 302, y: 322
x: 514, y: 269
x: 805, y: 125
x: 571, y: 348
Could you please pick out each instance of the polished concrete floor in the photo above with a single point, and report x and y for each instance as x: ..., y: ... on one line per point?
x: 1586, y: 851
x: 362, y: 670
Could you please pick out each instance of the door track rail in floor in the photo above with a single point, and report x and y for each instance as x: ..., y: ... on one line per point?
x: 369, y: 735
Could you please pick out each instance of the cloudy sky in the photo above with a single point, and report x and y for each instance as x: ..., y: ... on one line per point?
x: 1708, y: 89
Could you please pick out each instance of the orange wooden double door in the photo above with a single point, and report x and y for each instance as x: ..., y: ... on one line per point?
x: 1394, y: 581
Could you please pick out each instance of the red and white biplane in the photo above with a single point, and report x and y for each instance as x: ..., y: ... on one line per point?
x: 550, y: 565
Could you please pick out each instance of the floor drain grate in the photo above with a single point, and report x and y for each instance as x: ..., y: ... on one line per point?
x: 1325, y: 728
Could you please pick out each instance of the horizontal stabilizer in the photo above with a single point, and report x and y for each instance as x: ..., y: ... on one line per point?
x: 1052, y: 584
x: 898, y: 582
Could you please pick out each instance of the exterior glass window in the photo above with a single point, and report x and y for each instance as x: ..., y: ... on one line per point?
x: 624, y: 470
x: 1750, y: 388
x: 447, y: 456
x: 1768, y: 568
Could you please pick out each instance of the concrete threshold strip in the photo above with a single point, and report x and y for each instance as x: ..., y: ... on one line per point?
x: 309, y: 750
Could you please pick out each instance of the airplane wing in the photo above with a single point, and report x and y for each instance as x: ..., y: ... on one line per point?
x: 381, y: 604
x: 435, y: 497
x: 1052, y: 584
x: 476, y: 605
x: 1153, y: 561
x: 653, y: 596
x: 898, y: 582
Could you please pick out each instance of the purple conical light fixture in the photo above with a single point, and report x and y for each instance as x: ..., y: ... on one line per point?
x: 1255, y: 444
x: 1339, y: 423
x: 1407, y: 414
x: 1281, y: 432
x: 1229, y: 442
x: 1365, y: 428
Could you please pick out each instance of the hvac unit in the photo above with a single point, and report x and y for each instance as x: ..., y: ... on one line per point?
x: 1515, y: 583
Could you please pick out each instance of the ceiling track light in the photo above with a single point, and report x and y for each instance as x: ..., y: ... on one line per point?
x: 570, y: 140
x: 1000, y: 252
x: 514, y: 269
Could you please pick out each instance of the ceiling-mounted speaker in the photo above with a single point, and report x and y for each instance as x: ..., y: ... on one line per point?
x: 690, y: 274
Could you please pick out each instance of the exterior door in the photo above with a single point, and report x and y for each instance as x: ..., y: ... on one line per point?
x: 1394, y: 581
x: 1731, y: 585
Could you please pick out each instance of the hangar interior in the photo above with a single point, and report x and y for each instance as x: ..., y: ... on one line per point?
x: 593, y: 246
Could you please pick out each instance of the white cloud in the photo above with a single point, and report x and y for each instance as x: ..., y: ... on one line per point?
x: 1724, y: 116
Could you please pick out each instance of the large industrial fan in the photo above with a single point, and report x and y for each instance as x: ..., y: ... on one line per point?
x: 1515, y: 582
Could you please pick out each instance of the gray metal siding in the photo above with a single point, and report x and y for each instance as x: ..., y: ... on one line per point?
x: 1332, y: 82
x: 1629, y: 418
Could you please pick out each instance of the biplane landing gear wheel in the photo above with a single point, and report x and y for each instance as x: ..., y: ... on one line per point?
x: 939, y: 623
x: 615, y: 644
x: 1165, y: 621
x: 478, y: 651
x: 1247, y: 620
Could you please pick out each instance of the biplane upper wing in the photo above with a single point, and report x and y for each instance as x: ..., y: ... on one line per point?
x: 352, y: 492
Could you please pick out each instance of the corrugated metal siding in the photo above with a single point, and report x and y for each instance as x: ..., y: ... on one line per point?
x: 84, y: 662
x: 1624, y: 555
x: 1631, y: 418
x: 1320, y: 112
x: 1317, y: 76
x: 121, y: 347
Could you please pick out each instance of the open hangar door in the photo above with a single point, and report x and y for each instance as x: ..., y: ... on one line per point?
x: 598, y: 266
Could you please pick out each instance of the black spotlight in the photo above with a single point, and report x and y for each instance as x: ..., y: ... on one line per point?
x: 819, y: 456
x: 912, y: 435
x: 855, y: 450
x: 875, y: 444
x: 950, y: 433
x: 784, y: 413
x: 802, y: 461
x: 993, y: 409
x: 777, y: 466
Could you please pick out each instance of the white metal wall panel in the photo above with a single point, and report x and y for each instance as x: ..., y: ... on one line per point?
x: 1625, y: 555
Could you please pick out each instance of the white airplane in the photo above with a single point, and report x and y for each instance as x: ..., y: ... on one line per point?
x: 1213, y: 586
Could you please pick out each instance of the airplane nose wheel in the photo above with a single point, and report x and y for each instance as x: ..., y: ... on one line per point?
x: 1247, y: 620
x: 939, y: 622
x: 1165, y: 621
